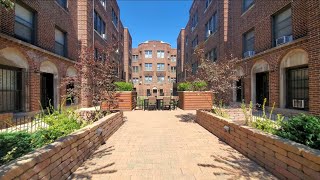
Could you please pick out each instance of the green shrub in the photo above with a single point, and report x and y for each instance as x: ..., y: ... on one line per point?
x: 45, y: 136
x: 184, y: 86
x: 123, y: 86
x: 14, y: 145
x: 304, y: 129
x: 199, y: 86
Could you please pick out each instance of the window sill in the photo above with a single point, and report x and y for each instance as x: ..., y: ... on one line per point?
x: 105, y: 39
x: 247, y: 10
x: 207, y: 8
x: 64, y: 8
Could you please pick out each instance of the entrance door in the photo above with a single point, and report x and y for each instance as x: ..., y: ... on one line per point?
x: 47, y: 90
x: 154, y: 92
x: 240, y: 90
x: 262, y: 87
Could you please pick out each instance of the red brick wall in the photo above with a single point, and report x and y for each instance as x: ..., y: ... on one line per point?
x: 61, y: 158
x: 284, y: 158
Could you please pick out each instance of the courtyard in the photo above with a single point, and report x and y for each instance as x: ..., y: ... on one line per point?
x: 167, y: 145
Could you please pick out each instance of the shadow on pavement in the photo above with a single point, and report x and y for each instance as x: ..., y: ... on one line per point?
x: 90, y: 168
x: 230, y: 165
x: 188, y: 118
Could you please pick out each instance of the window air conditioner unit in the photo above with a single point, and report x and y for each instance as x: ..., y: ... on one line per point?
x: 209, y: 33
x: 298, y: 103
x: 104, y: 36
x: 249, y: 54
x: 283, y: 40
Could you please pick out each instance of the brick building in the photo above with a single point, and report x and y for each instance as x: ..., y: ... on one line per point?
x: 40, y: 41
x: 127, y: 55
x: 154, y: 68
x: 276, y: 43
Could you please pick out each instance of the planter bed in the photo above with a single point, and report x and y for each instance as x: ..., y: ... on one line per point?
x: 193, y: 100
x: 284, y: 158
x: 59, y: 159
x: 125, y: 101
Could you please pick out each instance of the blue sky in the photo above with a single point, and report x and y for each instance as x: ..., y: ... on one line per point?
x: 154, y: 19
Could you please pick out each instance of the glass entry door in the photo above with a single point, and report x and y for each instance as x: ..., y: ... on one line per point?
x: 47, y: 90
x: 262, y: 87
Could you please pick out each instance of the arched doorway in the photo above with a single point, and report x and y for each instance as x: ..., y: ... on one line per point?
x: 13, y: 81
x: 49, y: 94
x: 238, y: 92
x: 155, y: 91
x: 294, y: 80
x: 260, y: 82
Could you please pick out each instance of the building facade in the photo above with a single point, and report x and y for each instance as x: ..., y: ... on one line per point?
x: 40, y: 42
x: 154, y: 68
x: 127, y: 55
x: 275, y: 43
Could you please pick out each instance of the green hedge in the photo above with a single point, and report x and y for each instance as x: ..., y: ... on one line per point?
x: 192, y: 86
x: 304, y: 129
x: 124, y: 86
x: 14, y: 145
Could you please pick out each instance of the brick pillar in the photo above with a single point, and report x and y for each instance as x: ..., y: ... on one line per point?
x: 34, y: 89
x: 314, y: 63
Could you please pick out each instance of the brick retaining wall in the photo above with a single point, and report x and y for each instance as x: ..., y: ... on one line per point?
x: 284, y: 158
x: 59, y: 159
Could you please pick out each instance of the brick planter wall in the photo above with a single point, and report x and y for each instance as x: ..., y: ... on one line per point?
x: 59, y: 159
x: 284, y: 158
x: 193, y: 100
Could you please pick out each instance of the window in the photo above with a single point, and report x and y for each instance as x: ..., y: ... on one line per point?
x: 96, y: 54
x: 246, y: 4
x: 173, y: 80
x: 60, y: 42
x: 135, y: 57
x: 70, y: 99
x: 194, y: 20
x: 173, y: 69
x: 194, y: 68
x: 195, y: 42
x: 161, y: 79
x: 148, y: 66
x: 148, y: 92
x: 160, y: 54
x: 173, y: 58
x: 99, y: 24
x: 148, y: 79
x: 161, y: 92
x: 114, y: 18
x: 135, y: 69
x: 212, y: 55
x: 135, y: 80
x: 208, y: 2
x: 63, y: 3
x: 186, y: 40
x: 11, y: 91
x: 211, y: 25
x: 240, y: 90
x: 148, y: 54
x: 282, y: 25
x: 103, y: 2
x: 160, y: 67
x: 24, y: 24
x: 248, y: 43
x: 298, y: 88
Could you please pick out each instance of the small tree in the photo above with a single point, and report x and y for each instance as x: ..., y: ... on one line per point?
x: 7, y: 4
x: 220, y: 75
x: 96, y: 74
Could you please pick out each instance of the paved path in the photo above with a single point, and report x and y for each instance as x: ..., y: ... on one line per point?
x: 167, y: 145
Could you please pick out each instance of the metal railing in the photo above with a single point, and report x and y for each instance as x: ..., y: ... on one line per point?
x: 24, y: 123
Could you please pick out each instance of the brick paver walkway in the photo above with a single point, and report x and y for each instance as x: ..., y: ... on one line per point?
x: 167, y: 145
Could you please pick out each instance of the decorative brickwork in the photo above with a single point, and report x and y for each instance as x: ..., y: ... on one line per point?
x: 61, y: 158
x: 284, y: 158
